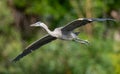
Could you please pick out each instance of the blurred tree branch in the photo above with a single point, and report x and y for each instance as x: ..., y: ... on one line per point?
x: 22, y: 20
x: 88, y: 9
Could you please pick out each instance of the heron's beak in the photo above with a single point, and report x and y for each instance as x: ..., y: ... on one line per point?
x: 34, y: 25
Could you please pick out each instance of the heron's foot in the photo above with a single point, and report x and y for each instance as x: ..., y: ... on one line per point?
x: 86, y: 42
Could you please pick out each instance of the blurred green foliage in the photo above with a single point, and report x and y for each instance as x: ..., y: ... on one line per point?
x: 102, y: 56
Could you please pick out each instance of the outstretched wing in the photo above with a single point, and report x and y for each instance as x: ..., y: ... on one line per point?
x: 82, y: 21
x: 46, y: 39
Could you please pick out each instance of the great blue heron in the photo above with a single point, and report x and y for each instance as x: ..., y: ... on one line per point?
x: 64, y: 33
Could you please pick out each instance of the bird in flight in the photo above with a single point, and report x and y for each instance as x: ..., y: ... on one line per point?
x: 63, y: 33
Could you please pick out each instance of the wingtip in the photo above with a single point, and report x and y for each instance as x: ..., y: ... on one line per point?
x: 17, y: 58
x: 14, y: 60
x: 112, y: 20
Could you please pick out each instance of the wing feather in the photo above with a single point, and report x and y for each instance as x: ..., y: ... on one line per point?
x: 82, y: 21
x: 42, y: 41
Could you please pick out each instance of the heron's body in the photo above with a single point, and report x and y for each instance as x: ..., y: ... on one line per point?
x: 58, y: 33
x: 63, y: 33
x: 68, y: 35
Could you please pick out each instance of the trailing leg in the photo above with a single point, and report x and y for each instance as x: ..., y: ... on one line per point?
x: 81, y: 41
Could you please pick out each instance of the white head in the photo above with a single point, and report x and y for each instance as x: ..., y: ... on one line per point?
x: 38, y: 24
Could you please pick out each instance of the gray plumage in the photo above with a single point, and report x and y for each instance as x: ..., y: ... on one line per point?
x: 64, y: 33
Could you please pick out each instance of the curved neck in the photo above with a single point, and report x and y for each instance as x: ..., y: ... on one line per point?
x: 46, y: 28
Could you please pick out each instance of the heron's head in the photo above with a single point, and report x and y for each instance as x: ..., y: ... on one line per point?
x: 38, y: 24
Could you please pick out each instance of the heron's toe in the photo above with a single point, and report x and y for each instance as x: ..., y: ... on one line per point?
x: 86, y: 42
